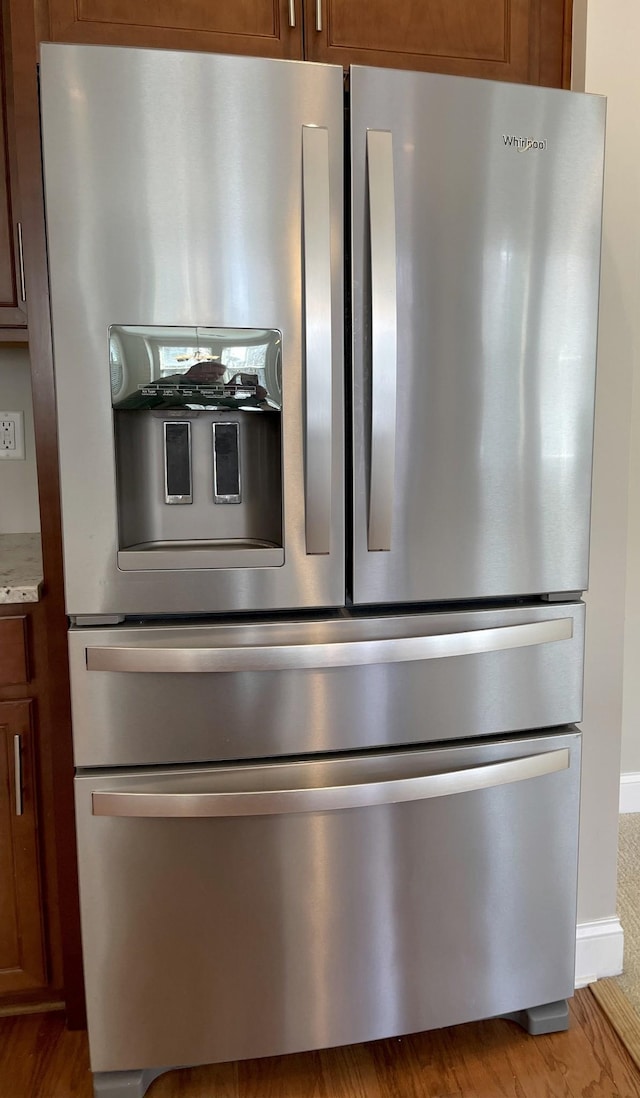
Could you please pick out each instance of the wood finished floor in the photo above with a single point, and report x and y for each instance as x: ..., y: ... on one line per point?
x: 496, y: 1059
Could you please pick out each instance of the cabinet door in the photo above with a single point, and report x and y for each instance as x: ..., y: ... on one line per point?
x: 22, y: 962
x: 12, y: 294
x: 525, y: 41
x: 267, y: 28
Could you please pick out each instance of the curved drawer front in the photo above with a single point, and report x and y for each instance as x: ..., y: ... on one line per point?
x: 159, y: 694
x: 350, y: 918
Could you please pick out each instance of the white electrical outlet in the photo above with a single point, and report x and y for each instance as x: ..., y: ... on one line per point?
x: 11, y: 436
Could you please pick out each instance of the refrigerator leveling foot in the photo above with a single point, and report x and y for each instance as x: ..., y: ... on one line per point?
x: 547, y: 1018
x: 125, y: 1084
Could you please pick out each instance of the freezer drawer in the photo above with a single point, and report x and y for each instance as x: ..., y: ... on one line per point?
x: 201, y: 693
x: 251, y: 910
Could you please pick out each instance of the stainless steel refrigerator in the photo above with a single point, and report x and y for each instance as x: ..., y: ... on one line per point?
x: 325, y: 667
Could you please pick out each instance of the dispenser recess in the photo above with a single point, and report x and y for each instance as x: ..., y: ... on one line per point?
x: 197, y: 422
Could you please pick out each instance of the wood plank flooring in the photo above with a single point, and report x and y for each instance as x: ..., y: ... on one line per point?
x: 39, y: 1058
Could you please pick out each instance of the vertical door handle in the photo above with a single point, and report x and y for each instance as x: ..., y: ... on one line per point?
x: 384, y: 337
x: 318, y: 15
x: 17, y: 764
x: 292, y: 13
x: 317, y: 336
x: 23, y: 291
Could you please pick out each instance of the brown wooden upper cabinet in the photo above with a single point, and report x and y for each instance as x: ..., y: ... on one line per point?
x: 525, y: 41
x: 267, y: 28
x: 13, y: 310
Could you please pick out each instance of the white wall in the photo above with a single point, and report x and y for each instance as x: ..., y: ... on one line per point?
x: 612, y: 61
x: 630, y: 170
x: 18, y: 486
x: 611, y: 68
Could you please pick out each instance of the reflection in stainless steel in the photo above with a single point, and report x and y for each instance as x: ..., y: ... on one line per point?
x: 173, y: 367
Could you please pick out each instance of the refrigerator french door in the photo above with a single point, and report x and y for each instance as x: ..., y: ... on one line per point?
x: 475, y: 212
x: 195, y: 239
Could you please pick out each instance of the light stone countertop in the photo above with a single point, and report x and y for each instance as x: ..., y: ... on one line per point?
x: 20, y: 568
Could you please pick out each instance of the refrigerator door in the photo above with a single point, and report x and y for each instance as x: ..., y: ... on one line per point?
x: 256, y: 910
x: 476, y: 212
x: 194, y: 210
x: 197, y: 693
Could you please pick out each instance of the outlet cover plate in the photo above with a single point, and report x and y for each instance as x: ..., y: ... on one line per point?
x: 12, y: 427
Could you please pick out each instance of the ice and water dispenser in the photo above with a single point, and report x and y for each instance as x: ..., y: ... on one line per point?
x: 197, y: 426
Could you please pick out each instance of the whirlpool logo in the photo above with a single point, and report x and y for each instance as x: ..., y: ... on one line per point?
x: 523, y: 144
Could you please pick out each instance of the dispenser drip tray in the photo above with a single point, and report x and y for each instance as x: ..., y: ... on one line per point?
x: 223, y: 553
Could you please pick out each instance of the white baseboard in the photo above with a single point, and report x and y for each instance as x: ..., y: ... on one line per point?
x: 599, y: 950
x: 630, y: 792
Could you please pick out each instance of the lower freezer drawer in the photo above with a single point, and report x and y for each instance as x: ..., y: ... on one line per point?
x: 240, y: 911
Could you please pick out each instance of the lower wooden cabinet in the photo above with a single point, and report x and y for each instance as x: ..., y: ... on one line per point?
x: 22, y: 947
x: 31, y: 975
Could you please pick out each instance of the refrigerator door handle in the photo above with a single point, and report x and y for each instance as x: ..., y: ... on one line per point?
x: 290, y: 657
x: 384, y: 337
x: 364, y: 794
x: 318, y: 331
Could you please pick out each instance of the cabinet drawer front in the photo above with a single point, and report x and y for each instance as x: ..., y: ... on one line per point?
x: 210, y: 937
x: 14, y: 667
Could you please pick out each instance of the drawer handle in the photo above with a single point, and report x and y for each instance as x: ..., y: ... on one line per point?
x: 275, y: 802
x: 282, y: 657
